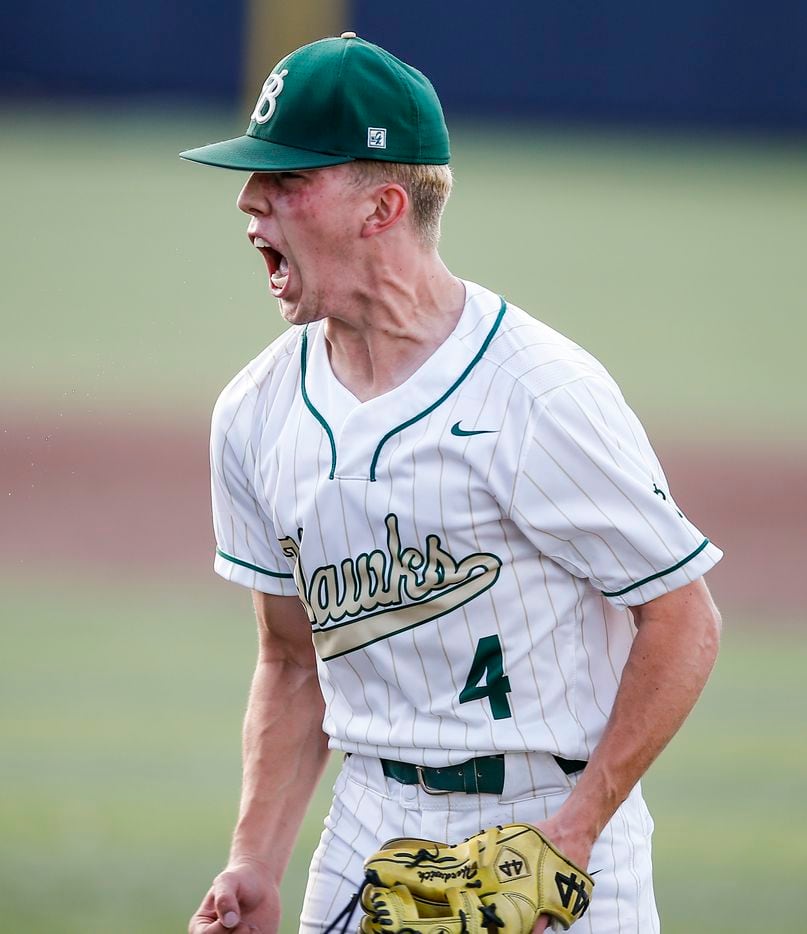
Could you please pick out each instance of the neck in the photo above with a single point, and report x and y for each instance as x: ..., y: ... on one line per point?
x: 398, y: 318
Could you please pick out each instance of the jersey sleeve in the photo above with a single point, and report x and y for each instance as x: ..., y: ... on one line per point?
x: 591, y: 494
x: 247, y: 548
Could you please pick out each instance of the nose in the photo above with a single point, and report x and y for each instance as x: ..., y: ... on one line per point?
x: 254, y: 197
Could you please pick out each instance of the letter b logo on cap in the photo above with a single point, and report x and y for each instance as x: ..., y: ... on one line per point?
x: 267, y: 99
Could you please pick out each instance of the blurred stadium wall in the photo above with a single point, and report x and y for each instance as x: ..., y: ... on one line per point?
x: 693, y: 63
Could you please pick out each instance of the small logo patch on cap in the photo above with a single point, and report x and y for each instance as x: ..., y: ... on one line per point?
x: 376, y: 137
x: 268, y: 96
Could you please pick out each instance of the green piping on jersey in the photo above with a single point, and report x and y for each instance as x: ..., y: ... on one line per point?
x: 252, y: 567
x: 446, y: 394
x: 317, y: 415
x: 646, y: 580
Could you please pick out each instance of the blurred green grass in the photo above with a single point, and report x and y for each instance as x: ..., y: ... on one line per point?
x: 120, y: 717
x: 679, y: 261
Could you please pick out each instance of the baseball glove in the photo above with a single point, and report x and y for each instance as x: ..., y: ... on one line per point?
x: 502, y: 878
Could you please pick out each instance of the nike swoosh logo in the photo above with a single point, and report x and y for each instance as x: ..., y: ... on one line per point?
x: 462, y: 433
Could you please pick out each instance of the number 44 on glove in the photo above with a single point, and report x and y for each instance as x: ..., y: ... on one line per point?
x: 502, y: 879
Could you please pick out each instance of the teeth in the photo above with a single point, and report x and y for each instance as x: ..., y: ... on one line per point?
x: 260, y: 243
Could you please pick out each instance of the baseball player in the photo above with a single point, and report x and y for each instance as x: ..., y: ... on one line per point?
x: 469, y: 573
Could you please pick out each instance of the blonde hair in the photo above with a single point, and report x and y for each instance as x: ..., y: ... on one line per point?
x: 428, y: 187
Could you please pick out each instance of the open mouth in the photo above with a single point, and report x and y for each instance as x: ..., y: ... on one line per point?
x: 277, y: 264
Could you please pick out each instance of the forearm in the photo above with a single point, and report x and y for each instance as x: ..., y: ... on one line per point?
x: 672, y: 656
x: 284, y: 754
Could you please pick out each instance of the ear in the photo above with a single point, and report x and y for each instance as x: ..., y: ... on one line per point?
x: 390, y: 204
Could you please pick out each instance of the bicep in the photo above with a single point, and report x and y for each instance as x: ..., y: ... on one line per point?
x: 284, y: 631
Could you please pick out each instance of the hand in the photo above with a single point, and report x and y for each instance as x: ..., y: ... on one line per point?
x: 573, y: 845
x: 243, y: 899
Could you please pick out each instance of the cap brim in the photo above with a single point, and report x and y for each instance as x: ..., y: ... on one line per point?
x: 257, y: 155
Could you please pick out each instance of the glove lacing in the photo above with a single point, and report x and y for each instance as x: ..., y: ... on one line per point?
x: 347, y: 912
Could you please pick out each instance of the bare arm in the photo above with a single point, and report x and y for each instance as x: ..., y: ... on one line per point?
x: 669, y: 663
x: 284, y: 754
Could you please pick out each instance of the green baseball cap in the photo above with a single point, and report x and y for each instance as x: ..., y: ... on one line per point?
x: 334, y: 101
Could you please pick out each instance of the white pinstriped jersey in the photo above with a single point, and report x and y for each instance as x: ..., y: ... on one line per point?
x: 466, y: 546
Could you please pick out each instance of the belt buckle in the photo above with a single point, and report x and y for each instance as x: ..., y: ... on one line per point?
x: 425, y: 787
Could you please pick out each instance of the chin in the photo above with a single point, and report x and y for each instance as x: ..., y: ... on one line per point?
x: 296, y: 312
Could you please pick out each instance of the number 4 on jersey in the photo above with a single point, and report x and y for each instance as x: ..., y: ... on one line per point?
x: 488, y: 664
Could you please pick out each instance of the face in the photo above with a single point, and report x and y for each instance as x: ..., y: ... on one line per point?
x: 307, y: 226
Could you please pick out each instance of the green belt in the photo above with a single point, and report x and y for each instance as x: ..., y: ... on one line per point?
x: 484, y: 775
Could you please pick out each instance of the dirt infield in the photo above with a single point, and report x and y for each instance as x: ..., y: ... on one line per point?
x: 129, y: 497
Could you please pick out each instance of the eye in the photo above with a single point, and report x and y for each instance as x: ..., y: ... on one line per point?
x: 288, y: 176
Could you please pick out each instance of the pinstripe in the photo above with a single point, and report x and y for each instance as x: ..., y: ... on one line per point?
x: 336, y: 814
x: 472, y: 643
x: 367, y: 706
x: 609, y: 833
x: 390, y: 459
x: 381, y: 680
x: 522, y: 451
x: 570, y: 705
x: 531, y: 655
x: 628, y: 422
x: 487, y: 596
x: 225, y: 443
x: 606, y: 631
x: 413, y: 635
x: 295, y: 460
x: 622, y: 818
x: 360, y: 680
x: 616, y: 439
x: 441, y: 474
x: 418, y: 537
x: 495, y: 613
x: 259, y: 514
x: 315, y: 505
x: 371, y: 529
x: 578, y: 612
x: 412, y: 712
x: 395, y: 751
x: 346, y: 864
x: 410, y: 816
x: 346, y: 724
x: 499, y: 440
x: 441, y: 507
x: 223, y: 473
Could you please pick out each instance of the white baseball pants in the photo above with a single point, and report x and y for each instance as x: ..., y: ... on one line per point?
x: 369, y: 809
